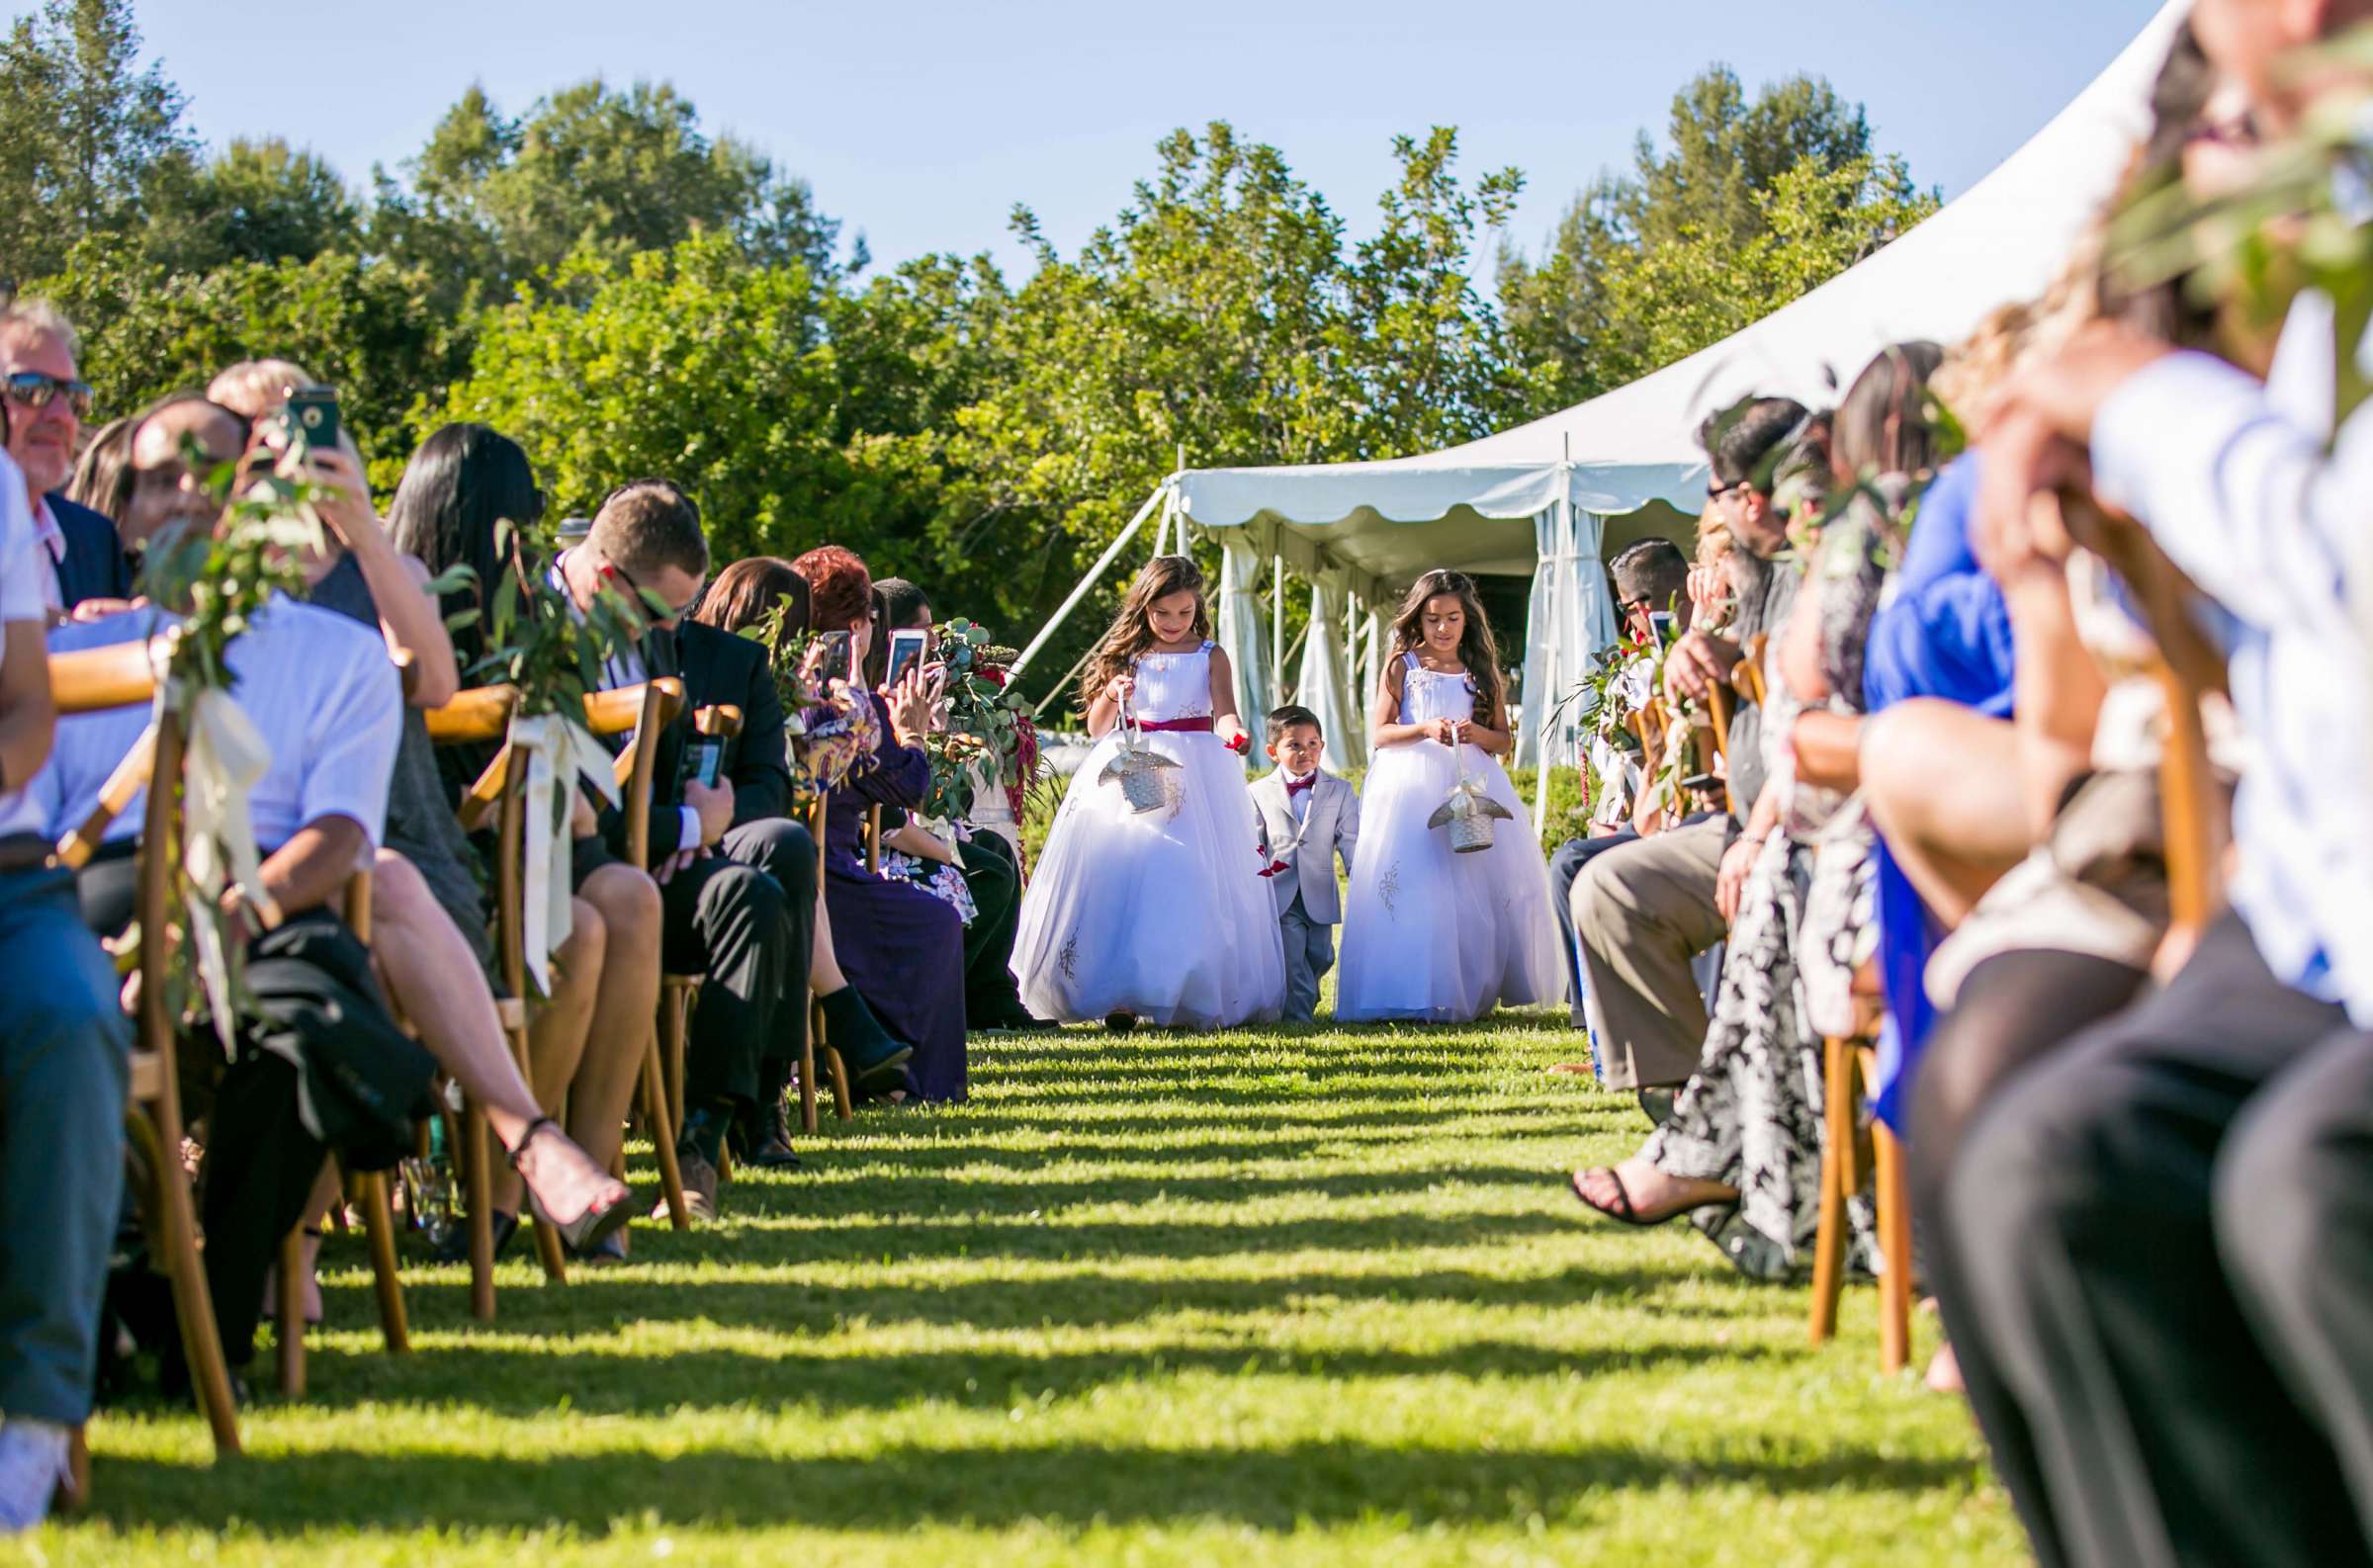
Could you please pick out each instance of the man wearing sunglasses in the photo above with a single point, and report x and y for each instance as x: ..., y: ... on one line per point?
x: 47, y: 402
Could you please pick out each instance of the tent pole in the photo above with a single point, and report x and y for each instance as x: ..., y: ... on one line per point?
x: 1276, y: 626
x: 1088, y: 581
x: 1541, y: 721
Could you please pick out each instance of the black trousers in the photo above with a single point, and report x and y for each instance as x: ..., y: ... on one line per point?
x: 730, y: 919
x: 2161, y: 1285
x: 994, y: 875
x: 782, y: 851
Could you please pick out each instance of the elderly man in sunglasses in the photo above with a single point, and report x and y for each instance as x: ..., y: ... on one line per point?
x: 47, y: 402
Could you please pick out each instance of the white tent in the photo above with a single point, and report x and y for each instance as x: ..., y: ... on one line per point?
x: 1536, y: 500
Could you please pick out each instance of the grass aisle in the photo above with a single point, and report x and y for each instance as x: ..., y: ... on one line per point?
x: 1300, y: 1298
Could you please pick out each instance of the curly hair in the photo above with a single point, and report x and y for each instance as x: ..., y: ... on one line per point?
x: 840, y: 589
x: 1477, y: 650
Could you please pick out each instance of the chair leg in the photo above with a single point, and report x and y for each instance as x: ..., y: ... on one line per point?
x: 289, y: 1332
x: 379, y: 1228
x: 478, y: 1170
x: 807, y: 1066
x: 1895, y: 1242
x: 1837, y: 1160
x: 547, y: 1240
x: 676, y: 1011
x: 663, y: 1136
x: 176, y: 1230
x: 840, y: 1073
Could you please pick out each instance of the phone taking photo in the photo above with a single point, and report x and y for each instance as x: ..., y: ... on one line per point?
x: 312, y: 415
x: 1660, y: 624
x: 834, y: 665
x: 905, y: 650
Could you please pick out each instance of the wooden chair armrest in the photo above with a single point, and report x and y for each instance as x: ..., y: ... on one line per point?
x: 482, y: 713
x: 718, y: 719
x: 94, y: 679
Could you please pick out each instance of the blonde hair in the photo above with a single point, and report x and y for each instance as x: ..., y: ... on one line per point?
x: 253, y: 387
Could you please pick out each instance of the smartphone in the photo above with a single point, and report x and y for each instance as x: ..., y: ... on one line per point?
x: 905, y: 649
x: 836, y: 656
x: 1660, y: 621
x: 1710, y: 784
x: 708, y: 757
x: 314, y: 418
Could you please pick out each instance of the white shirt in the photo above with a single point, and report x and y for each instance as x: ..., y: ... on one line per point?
x: 52, y: 536
x: 319, y: 686
x: 22, y: 574
x: 2246, y: 501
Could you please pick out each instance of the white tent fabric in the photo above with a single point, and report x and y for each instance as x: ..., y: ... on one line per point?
x: 1494, y: 505
x: 1242, y: 626
x: 1571, y: 619
x: 1325, y: 686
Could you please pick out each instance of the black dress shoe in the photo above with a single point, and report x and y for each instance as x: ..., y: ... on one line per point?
x: 455, y: 1248
x: 1121, y: 1022
x: 775, y: 1151
x: 1011, y: 1020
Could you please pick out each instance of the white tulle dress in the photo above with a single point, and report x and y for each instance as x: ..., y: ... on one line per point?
x: 1430, y: 933
x: 1162, y: 913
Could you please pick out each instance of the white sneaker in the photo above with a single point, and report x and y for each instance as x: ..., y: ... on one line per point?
x: 33, y: 1465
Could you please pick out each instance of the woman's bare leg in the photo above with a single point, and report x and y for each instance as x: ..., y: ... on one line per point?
x: 1945, y: 793
x: 823, y: 969
x: 556, y: 1038
x: 626, y: 1002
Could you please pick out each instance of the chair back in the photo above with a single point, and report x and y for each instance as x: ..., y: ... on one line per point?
x: 647, y: 710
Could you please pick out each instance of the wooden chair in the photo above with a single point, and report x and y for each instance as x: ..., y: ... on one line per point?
x: 647, y: 710
x: 816, y: 1041
x: 89, y: 683
x: 1849, y: 1065
x: 478, y: 716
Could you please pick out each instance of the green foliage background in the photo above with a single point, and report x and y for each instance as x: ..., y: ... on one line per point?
x: 627, y: 295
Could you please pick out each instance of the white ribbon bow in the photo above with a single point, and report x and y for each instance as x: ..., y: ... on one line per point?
x: 225, y: 755
x: 557, y: 751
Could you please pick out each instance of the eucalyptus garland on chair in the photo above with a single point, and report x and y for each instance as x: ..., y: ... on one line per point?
x: 989, y: 727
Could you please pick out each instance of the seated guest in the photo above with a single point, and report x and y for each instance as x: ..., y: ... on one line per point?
x: 988, y: 858
x: 1650, y: 577
x: 1643, y: 910
x: 47, y: 402
x: 430, y: 921
x: 721, y: 668
x: 901, y: 948
x: 322, y: 693
x: 587, y: 1044
x: 102, y: 479
x: 62, y: 1069
x: 741, y: 926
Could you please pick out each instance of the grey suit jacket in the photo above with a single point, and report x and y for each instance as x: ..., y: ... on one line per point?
x: 1331, y: 829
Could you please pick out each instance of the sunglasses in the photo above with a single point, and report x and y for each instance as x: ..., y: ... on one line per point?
x: 34, y: 389
x: 642, y: 599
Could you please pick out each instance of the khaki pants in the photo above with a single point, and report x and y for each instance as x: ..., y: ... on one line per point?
x: 1642, y: 913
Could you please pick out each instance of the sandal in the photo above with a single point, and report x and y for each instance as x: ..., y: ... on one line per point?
x: 1621, y: 1210
x: 599, y: 1220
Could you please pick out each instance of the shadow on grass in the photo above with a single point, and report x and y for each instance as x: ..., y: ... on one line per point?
x: 1068, y: 1484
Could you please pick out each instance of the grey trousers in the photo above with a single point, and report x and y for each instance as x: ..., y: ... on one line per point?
x: 63, y: 1062
x: 2162, y: 1280
x: 1309, y: 954
x: 1642, y: 913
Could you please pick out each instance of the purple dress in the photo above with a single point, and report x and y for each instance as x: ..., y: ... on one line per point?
x: 901, y: 948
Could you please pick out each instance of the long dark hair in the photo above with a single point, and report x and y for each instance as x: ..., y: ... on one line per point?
x: 463, y: 480
x: 1477, y: 650
x: 1883, y: 426
x: 1132, y: 629
x: 746, y: 591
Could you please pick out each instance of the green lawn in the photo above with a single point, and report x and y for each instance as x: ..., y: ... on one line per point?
x: 1292, y: 1298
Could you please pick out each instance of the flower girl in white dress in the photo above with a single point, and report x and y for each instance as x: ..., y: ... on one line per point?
x: 1157, y: 914
x: 1431, y: 934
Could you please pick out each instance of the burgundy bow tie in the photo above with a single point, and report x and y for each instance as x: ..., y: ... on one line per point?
x: 1295, y: 786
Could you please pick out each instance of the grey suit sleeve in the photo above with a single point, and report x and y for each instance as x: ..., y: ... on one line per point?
x: 1346, y: 826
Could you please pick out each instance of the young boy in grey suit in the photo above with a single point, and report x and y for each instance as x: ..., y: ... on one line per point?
x: 1308, y: 818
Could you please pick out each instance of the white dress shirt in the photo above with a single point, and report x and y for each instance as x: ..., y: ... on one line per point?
x: 23, y: 573
x: 52, y: 536
x: 2249, y: 503
x: 319, y: 686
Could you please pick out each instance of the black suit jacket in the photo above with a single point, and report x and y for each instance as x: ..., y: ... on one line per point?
x: 720, y: 667
x: 95, y: 566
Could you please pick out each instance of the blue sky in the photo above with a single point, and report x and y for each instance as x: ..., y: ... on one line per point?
x: 922, y: 121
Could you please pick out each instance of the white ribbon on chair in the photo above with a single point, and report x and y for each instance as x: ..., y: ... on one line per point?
x: 555, y: 748
x: 223, y: 759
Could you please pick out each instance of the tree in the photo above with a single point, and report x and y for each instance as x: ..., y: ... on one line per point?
x: 688, y: 362
x: 83, y: 133
x: 499, y: 201
x: 373, y: 329
x: 1650, y: 266
x: 256, y: 201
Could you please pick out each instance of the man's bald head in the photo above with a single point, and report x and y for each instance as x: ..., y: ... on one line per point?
x: 164, y: 490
